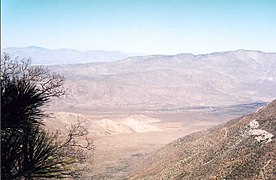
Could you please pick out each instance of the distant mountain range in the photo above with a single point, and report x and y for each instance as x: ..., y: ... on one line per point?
x: 243, y: 148
x: 45, y: 56
x: 171, y: 83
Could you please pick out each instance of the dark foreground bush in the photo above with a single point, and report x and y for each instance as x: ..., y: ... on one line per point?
x: 27, y: 150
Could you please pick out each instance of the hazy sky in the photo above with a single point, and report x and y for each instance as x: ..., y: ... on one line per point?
x: 144, y: 26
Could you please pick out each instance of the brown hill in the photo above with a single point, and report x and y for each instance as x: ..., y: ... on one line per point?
x: 243, y: 148
x: 169, y: 83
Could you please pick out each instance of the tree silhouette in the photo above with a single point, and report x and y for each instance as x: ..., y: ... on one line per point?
x: 27, y: 150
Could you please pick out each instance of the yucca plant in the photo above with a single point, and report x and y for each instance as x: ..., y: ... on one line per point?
x: 27, y: 150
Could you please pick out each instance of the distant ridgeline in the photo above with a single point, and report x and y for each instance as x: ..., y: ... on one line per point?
x: 233, y: 81
x: 45, y: 56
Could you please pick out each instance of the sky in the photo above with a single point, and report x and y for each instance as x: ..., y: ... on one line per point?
x: 140, y: 26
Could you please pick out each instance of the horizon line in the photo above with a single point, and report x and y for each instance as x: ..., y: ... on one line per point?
x: 138, y: 53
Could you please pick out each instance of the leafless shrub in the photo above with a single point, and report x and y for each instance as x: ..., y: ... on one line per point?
x: 77, y: 145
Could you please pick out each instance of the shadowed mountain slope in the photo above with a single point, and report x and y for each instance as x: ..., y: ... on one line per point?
x: 243, y: 148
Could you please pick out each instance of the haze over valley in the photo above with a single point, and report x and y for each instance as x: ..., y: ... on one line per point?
x: 138, y: 89
x: 135, y: 107
x: 172, y: 83
x: 40, y: 55
x: 138, y: 104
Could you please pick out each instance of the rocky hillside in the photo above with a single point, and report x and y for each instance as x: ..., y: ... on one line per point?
x: 170, y: 83
x: 243, y: 148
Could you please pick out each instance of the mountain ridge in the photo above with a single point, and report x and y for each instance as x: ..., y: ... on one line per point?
x: 114, y: 55
x: 172, y: 82
x: 45, y: 56
x: 242, y: 148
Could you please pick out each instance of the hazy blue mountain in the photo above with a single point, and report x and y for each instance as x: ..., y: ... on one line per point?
x: 45, y: 56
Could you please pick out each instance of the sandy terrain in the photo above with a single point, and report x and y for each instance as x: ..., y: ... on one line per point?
x: 121, y: 140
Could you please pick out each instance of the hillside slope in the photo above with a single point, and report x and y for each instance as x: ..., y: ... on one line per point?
x: 169, y: 83
x: 243, y: 148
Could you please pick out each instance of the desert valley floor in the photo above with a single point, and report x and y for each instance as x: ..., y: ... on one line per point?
x: 134, y: 107
x: 123, y: 139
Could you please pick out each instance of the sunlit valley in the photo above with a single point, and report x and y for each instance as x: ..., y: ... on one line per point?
x: 135, y: 106
x: 133, y: 89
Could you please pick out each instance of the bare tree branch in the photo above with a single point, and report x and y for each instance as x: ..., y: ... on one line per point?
x: 27, y: 150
